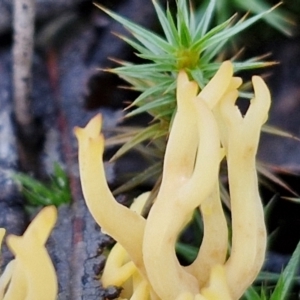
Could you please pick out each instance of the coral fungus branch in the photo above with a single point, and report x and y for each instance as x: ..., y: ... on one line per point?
x: 115, y: 219
x: 31, y: 274
x: 247, y: 211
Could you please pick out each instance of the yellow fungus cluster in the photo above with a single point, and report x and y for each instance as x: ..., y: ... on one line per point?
x: 30, y: 275
x: 207, y: 126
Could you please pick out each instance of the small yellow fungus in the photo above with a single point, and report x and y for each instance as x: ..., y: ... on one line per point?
x: 248, y: 227
x: 31, y: 274
x: 116, y: 220
x: 207, y: 126
x: 120, y: 270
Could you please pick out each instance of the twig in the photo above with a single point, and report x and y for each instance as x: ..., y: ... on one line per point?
x: 24, y: 15
x: 28, y: 133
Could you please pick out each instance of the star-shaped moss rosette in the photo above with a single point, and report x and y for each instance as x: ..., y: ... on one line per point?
x: 190, y: 44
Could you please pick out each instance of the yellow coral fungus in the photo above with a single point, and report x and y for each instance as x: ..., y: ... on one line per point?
x: 118, y: 221
x: 31, y: 274
x: 247, y: 211
x: 207, y: 126
x: 119, y: 269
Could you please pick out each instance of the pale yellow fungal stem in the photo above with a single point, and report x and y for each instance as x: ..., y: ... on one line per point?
x: 17, y: 287
x: 141, y: 289
x: 249, y: 234
x: 124, y: 225
x: 235, y: 83
x: 180, y: 193
x: 2, y: 233
x: 208, y: 133
x: 36, y: 278
x: 217, y: 288
x: 41, y: 226
x: 261, y: 243
x: 206, y: 168
x: 185, y: 296
x: 165, y: 274
x: 214, y: 245
x: 118, y: 268
x: 258, y: 111
x: 6, y: 277
x: 213, y: 249
x: 218, y: 85
x: 39, y: 271
x: 178, y: 163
